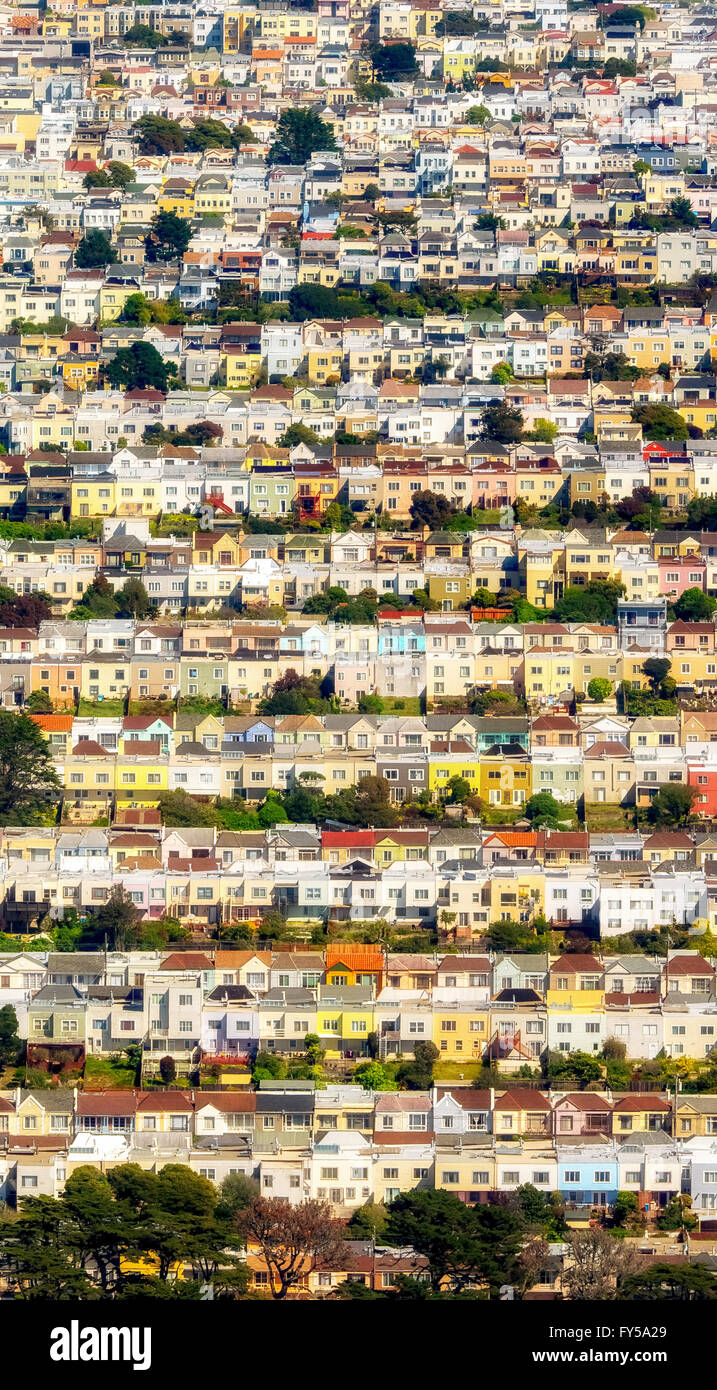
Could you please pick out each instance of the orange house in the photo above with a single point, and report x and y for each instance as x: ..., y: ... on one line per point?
x: 352, y: 965
x: 59, y: 677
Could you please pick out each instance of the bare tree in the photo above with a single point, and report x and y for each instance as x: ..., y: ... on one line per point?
x: 597, y: 1261
x: 292, y: 1239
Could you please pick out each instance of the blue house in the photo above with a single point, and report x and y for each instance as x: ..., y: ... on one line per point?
x: 588, y: 1176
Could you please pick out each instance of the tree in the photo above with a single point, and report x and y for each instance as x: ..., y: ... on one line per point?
x: 10, y: 1045
x: 694, y: 606
x: 594, y: 602
x: 692, y: 1283
x: 167, y: 1070
x: 597, y: 1263
x: 672, y: 804
x: 23, y: 610
x: 418, y: 1074
x: 657, y: 670
x: 121, y: 175
x: 543, y: 809
x: 299, y: 133
x: 299, y: 434
x: 117, y: 919
x: 94, y: 250
x: 179, y: 808
x: 237, y: 1192
x: 430, y: 509
x: 293, y: 1240
x: 659, y: 421
x: 599, y: 688
x: 681, y: 210
x: 502, y: 423
x: 462, y: 1245
x: 133, y: 601
x: 641, y: 510
x: 477, y: 115
x: 39, y: 702
x: 391, y: 62
x: 169, y: 237
x: 29, y: 785
x: 502, y: 373
x: 312, y: 301
x: 543, y: 431
x: 640, y: 167
x: 368, y: 1222
x: 625, y: 1210
x: 157, y: 135
x: 96, y: 178
x: 98, y: 600
x: 373, y: 1077
x: 138, y: 366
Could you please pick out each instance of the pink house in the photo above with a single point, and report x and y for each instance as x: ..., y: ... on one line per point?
x: 582, y: 1113
x: 680, y: 572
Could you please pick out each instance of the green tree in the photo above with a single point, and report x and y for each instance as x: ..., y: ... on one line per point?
x: 543, y: 809
x: 157, y: 135
x: 392, y: 62
x: 299, y: 434
x: 167, y: 1070
x: 543, y: 431
x: 694, y: 606
x: 625, y: 1210
x: 430, y: 509
x: 659, y: 421
x: 599, y: 688
x: 133, y: 601
x: 117, y: 919
x: 462, y: 1245
x: 238, y: 1191
x: 477, y: 115
x: 121, y: 175
x: 29, y: 785
x: 39, y: 702
x: 95, y: 249
x: 10, y: 1045
x: 299, y: 133
x: 179, y: 808
x: 138, y: 366
x: 663, y: 1283
x: 594, y: 602
x: 418, y: 1074
x: 169, y: 236
x: 672, y: 805
x: 373, y: 1077
x: 368, y: 1222
x: 501, y: 423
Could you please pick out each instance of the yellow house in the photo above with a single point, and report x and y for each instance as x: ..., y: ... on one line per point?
x: 547, y: 672
x: 576, y: 983
x: 113, y: 297
x: 177, y: 196
x: 239, y: 370
x: 503, y: 781
x: 95, y: 496
x: 80, y: 373
x: 342, y: 1027
x: 460, y: 1030
x: 141, y: 777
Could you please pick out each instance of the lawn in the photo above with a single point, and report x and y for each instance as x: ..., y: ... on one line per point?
x: 600, y: 817
x: 92, y: 708
x: 401, y: 704
x: 457, y: 1071
x: 104, y: 1074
